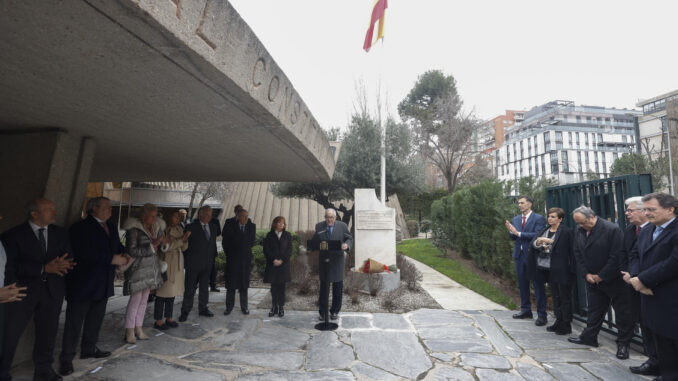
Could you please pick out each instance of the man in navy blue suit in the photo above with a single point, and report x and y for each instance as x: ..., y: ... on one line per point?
x: 97, y: 250
x: 523, y: 229
x: 653, y: 272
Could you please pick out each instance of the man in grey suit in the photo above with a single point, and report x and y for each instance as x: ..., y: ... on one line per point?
x: 332, y: 229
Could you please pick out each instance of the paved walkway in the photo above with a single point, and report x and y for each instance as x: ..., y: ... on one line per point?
x: 474, y: 344
x: 450, y: 294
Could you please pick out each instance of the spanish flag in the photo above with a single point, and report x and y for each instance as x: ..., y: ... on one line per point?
x: 378, y: 14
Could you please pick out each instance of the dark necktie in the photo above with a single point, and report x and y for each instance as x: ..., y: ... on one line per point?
x: 103, y: 225
x: 43, y: 241
x: 330, y: 230
x: 523, y: 228
x: 242, y: 228
x: 207, y: 232
x: 637, y: 230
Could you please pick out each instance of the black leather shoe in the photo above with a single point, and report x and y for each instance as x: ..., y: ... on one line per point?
x: 578, y: 340
x: 245, y: 311
x: 321, y: 317
x: 523, y: 315
x: 281, y: 312
x: 228, y: 311
x: 645, y: 369
x: 97, y: 354
x: 564, y: 329
x: 554, y: 327
x: 541, y: 321
x: 160, y: 327
x: 215, y: 289
x: 206, y: 313
x: 622, y: 351
x: 171, y: 323
x: 49, y: 375
x: 66, y: 368
x: 273, y: 311
x: 183, y: 317
x: 334, y: 316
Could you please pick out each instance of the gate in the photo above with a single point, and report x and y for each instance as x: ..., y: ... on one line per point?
x: 606, y: 197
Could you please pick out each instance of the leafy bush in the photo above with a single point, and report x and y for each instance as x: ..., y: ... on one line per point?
x: 413, y: 228
x: 425, y: 226
x: 472, y: 222
x: 258, y: 260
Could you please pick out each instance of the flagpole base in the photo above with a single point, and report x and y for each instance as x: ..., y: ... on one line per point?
x: 326, y: 326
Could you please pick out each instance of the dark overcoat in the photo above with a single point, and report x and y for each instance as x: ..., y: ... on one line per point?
x: 656, y: 265
x: 336, y: 258
x: 563, y: 264
x: 599, y: 252
x: 275, y: 248
x: 238, y: 249
x: 93, y: 250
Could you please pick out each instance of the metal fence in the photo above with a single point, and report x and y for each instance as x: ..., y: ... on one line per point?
x: 606, y: 197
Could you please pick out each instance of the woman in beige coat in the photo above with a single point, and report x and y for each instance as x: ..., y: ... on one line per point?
x: 174, y: 285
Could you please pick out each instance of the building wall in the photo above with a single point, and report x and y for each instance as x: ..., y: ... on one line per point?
x: 562, y: 141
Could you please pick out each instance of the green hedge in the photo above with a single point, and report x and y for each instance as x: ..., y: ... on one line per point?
x: 471, y: 221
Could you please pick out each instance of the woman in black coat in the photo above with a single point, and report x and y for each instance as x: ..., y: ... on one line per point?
x: 278, y: 250
x: 551, y: 259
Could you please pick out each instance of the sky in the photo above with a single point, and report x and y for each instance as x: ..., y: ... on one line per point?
x: 503, y: 54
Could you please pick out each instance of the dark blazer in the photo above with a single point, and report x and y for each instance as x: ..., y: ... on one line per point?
x: 600, y: 252
x: 275, y: 248
x: 340, y: 232
x: 629, y: 241
x: 656, y: 265
x: 92, y: 278
x: 26, y: 259
x: 201, y: 252
x: 238, y: 249
x: 563, y: 263
x: 534, y: 224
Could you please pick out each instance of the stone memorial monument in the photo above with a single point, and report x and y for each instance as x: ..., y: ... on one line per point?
x: 375, y: 235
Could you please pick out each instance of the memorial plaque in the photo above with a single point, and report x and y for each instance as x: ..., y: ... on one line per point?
x: 374, y: 219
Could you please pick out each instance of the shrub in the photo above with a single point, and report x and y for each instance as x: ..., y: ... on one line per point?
x: 301, y: 279
x: 220, y: 261
x: 408, y: 272
x: 472, y: 222
x: 375, y: 283
x: 258, y: 260
x: 412, y: 228
x: 425, y: 226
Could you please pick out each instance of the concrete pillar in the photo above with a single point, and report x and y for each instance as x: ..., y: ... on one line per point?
x: 50, y: 163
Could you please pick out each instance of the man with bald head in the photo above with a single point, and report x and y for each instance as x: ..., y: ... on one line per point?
x: 37, y: 258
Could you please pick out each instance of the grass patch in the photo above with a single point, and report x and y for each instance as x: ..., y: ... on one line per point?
x: 423, y: 251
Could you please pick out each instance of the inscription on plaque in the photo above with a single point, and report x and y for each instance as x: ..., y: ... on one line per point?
x: 374, y: 219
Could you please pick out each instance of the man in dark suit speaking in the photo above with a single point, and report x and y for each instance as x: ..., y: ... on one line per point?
x: 38, y: 256
x: 332, y: 271
x: 523, y: 229
x: 653, y: 272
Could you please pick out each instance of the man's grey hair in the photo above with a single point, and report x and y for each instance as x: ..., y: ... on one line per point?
x: 585, y: 211
x: 95, y: 202
x: 331, y: 211
x: 636, y: 201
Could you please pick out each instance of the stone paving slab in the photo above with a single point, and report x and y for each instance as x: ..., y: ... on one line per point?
x: 428, y: 344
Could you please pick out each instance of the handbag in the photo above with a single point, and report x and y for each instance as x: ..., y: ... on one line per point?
x: 544, y: 260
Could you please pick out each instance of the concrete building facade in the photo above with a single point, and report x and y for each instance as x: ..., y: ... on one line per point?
x: 563, y: 141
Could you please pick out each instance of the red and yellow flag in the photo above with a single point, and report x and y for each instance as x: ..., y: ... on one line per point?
x: 378, y: 14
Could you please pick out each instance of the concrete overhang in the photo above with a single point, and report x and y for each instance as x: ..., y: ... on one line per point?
x: 169, y: 90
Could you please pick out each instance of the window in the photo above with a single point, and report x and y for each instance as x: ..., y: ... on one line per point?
x: 615, y: 156
x: 554, y: 163
x: 578, y: 119
x: 600, y: 138
x: 547, y: 141
x: 536, y: 166
x: 578, y: 142
x: 559, y: 140
x: 566, y: 168
x: 581, y: 168
x: 604, y: 165
x: 529, y: 168
x: 522, y: 151
x: 543, y: 164
x: 569, y: 139
x: 624, y: 138
x: 586, y: 139
x: 586, y: 156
